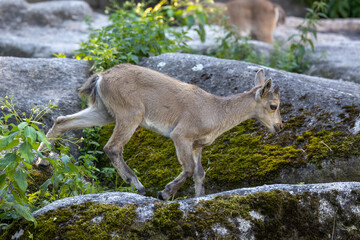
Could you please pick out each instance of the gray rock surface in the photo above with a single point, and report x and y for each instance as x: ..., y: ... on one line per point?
x: 38, y: 81
x: 99, y: 5
x: 44, y: 28
x: 145, y: 204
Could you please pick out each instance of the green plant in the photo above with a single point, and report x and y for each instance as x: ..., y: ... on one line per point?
x: 93, y: 159
x: 307, y: 28
x: 20, y: 143
x: 136, y: 31
x: 339, y: 8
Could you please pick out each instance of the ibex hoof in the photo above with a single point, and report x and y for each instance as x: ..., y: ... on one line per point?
x: 160, y: 196
x: 163, y: 195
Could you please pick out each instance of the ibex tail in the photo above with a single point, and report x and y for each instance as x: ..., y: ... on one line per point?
x: 89, y: 89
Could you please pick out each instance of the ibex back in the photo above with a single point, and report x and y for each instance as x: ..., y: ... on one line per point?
x: 130, y: 96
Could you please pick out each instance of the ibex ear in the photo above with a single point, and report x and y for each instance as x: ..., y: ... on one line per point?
x: 264, y: 90
x: 277, y: 90
x: 260, y: 78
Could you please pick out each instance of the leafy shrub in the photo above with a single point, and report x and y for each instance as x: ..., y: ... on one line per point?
x: 339, y: 8
x: 138, y: 32
x: 20, y: 143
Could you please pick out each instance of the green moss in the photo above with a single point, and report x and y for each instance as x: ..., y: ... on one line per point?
x: 272, y: 215
x: 38, y: 177
x: 247, y: 154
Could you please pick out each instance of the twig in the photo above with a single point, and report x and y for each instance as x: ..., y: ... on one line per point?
x: 327, y: 146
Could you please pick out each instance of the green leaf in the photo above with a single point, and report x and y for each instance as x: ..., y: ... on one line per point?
x: 65, y: 159
x: 25, y: 151
x: 5, y: 141
x: 170, y: 12
x: 134, y: 59
x: 25, y: 212
x: 44, y: 186
x: 19, y: 192
x: 30, y: 133
x: 16, y: 196
x: 292, y: 36
x: 190, y: 20
x: 2, y: 180
x: 27, y: 165
x: 10, y: 169
x: 20, y: 178
x: 9, y: 158
x: 22, y: 125
x: 201, y: 18
x: 12, y: 144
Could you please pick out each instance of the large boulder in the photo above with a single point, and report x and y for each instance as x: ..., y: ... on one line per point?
x: 45, y: 28
x: 35, y: 82
x: 315, y: 211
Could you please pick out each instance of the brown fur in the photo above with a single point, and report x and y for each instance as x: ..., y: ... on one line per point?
x: 193, y: 118
x: 255, y: 18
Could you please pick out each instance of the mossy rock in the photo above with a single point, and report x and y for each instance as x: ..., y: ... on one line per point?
x: 279, y: 212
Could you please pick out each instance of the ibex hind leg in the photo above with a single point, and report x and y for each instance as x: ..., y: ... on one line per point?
x: 199, y: 173
x: 185, y: 157
x: 124, y: 128
x: 89, y: 117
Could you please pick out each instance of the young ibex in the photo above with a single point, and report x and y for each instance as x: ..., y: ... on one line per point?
x: 255, y: 18
x: 130, y: 96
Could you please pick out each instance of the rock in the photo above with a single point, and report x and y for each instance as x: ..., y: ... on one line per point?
x: 99, y: 5
x: 318, y: 211
x: 44, y: 28
x: 38, y: 81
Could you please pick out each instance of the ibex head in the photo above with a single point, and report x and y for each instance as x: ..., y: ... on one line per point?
x: 267, y: 103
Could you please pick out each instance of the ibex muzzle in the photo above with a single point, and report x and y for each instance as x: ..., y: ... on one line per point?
x: 130, y: 96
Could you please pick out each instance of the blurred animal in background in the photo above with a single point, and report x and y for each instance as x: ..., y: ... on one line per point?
x: 254, y: 18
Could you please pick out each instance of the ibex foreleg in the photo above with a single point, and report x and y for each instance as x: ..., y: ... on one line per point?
x: 89, y: 117
x: 124, y: 129
x: 185, y: 157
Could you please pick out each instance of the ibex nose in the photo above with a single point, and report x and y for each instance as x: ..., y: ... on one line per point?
x: 278, y: 127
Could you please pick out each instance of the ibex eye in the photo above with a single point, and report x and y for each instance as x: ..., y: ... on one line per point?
x: 273, y: 107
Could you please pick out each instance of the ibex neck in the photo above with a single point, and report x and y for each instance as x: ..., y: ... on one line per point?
x: 236, y: 109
